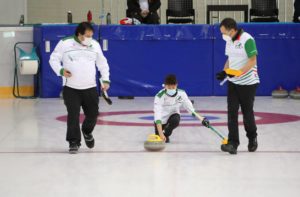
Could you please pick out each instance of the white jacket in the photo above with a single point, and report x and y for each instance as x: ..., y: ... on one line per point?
x: 165, y: 106
x: 81, y: 61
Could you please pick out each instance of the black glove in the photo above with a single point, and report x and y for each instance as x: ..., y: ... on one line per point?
x: 205, y: 122
x: 221, y: 75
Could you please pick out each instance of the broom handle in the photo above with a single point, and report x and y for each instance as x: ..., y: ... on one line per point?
x: 201, y: 118
x: 224, y: 81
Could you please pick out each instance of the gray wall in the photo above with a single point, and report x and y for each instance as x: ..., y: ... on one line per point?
x: 11, y: 10
x: 8, y: 37
x: 55, y: 11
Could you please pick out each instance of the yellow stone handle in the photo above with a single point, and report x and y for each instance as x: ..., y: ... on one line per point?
x: 154, y: 138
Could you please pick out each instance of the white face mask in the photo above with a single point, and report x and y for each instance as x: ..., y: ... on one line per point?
x: 171, y: 92
x: 226, y: 38
x: 87, y: 41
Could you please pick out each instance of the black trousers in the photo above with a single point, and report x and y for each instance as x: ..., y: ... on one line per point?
x: 244, y: 96
x: 171, y: 124
x: 152, y: 18
x: 74, y: 99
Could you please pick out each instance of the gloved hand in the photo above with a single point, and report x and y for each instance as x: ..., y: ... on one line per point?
x: 205, y: 122
x: 221, y: 75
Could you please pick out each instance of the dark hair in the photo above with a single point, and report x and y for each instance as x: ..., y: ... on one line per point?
x: 82, y: 27
x: 170, y: 80
x: 229, y: 24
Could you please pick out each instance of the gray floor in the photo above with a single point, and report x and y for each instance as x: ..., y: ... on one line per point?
x: 34, y: 159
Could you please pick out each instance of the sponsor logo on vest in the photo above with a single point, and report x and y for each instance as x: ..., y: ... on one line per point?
x: 239, y: 45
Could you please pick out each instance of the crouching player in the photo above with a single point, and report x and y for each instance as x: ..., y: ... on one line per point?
x: 167, y: 105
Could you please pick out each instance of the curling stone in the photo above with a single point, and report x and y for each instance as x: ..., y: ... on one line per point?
x: 280, y: 93
x: 295, y: 94
x: 154, y: 143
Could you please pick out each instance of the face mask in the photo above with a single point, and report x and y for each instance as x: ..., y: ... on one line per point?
x: 226, y: 38
x: 87, y: 41
x: 171, y: 92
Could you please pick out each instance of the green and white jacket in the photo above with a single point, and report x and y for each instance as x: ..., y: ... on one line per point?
x: 165, y: 106
x: 81, y: 61
x: 239, y: 50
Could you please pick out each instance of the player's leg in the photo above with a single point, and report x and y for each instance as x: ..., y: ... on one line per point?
x: 247, y: 97
x: 173, y: 122
x: 90, y: 106
x: 72, y: 102
x: 232, y: 116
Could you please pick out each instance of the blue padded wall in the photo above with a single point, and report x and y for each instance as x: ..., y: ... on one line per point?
x: 141, y: 56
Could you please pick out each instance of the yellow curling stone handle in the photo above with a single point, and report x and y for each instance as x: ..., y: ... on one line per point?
x: 154, y: 138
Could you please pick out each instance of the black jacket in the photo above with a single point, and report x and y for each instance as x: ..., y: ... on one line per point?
x: 134, y: 6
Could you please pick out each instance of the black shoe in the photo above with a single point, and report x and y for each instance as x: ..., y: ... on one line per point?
x: 89, y: 140
x: 229, y: 148
x: 73, y: 147
x: 252, y: 146
x: 167, y: 139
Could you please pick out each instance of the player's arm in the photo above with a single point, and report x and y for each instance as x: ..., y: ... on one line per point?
x: 158, y: 116
x: 102, y: 65
x: 251, y: 50
x: 222, y: 75
x: 187, y: 104
x: 160, y: 131
x: 56, y: 60
x: 252, y: 61
x: 226, y: 65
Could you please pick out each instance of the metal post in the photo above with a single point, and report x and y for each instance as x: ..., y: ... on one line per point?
x: 110, y: 9
x: 234, y: 15
x: 219, y: 18
x: 241, y: 13
x: 250, y: 6
x: 285, y: 10
x: 197, y: 15
x: 25, y: 12
x: 101, y: 12
x: 205, y: 6
x: 227, y: 12
x: 278, y: 4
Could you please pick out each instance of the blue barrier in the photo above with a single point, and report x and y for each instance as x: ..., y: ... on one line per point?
x: 141, y: 56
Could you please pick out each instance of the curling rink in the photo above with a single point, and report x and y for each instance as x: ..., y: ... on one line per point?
x: 35, y: 161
